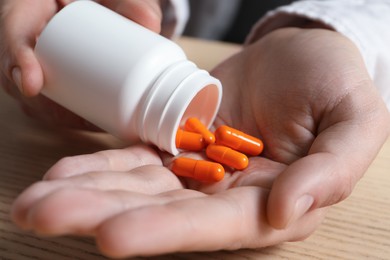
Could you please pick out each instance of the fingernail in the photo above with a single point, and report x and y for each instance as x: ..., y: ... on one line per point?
x: 302, y: 205
x: 17, y: 78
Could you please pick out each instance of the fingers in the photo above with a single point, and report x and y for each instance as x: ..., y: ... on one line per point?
x: 110, y: 160
x: 338, y: 158
x: 129, y: 223
x: 147, y: 13
x: 81, y: 211
x: 228, y: 220
x: 144, y: 180
x: 133, y: 213
x: 22, y: 21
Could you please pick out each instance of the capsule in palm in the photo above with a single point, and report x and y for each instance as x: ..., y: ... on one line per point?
x: 189, y: 141
x: 238, y: 140
x: 193, y: 124
x: 200, y: 170
x: 227, y: 156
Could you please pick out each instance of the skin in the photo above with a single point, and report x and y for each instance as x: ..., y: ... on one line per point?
x: 304, y: 92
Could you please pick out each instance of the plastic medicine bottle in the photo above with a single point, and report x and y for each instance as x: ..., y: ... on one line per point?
x: 124, y: 78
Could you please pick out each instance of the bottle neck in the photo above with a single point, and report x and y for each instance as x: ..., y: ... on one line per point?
x: 180, y: 92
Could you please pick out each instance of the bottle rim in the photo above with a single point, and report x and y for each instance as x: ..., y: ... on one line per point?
x: 182, y: 91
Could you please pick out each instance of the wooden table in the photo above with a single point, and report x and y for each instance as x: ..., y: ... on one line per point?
x: 358, y: 228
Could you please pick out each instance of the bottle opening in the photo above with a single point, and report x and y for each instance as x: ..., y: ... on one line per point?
x: 182, y: 91
x: 204, y: 106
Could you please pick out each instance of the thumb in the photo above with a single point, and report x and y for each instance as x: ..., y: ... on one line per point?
x: 311, y: 182
x: 338, y: 158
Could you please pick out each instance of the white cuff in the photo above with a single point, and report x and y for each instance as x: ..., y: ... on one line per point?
x: 364, y: 22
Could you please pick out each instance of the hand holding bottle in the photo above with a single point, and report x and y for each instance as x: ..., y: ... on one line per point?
x: 21, y: 23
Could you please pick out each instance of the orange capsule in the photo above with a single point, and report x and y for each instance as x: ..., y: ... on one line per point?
x: 194, y: 125
x: 189, y: 141
x: 238, y: 140
x: 227, y: 156
x: 200, y: 170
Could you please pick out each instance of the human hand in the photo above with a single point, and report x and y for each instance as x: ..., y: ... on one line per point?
x: 134, y: 205
x: 21, y: 22
x: 307, y: 94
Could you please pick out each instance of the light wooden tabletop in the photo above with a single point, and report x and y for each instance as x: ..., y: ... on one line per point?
x: 358, y: 228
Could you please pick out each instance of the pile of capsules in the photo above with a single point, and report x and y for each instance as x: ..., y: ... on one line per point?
x: 227, y: 146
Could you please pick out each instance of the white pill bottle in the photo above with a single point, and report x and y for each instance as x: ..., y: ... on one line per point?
x: 122, y: 77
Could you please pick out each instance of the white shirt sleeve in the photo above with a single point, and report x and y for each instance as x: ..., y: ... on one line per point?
x: 175, y: 17
x: 365, y: 22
